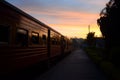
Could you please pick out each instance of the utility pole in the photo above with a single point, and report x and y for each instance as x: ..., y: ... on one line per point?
x: 88, y: 28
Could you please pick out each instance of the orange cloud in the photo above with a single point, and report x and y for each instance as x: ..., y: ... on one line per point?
x: 69, y: 23
x: 71, y: 19
x: 67, y: 17
x: 76, y: 31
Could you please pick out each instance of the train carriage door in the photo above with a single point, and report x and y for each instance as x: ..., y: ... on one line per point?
x: 48, y: 43
x: 44, y: 39
x: 62, y: 45
x: 4, y: 34
x: 22, y: 37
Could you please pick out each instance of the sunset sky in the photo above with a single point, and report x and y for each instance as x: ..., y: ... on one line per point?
x: 69, y: 17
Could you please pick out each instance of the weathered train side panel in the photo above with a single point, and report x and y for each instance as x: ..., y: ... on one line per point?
x: 55, y: 44
x: 25, y: 41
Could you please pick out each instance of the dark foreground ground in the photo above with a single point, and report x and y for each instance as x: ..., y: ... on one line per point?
x: 76, y: 66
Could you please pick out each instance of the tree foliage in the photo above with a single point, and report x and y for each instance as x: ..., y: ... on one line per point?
x: 91, y: 38
x: 109, y: 23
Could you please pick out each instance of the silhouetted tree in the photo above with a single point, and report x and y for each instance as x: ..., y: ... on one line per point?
x: 91, y: 39
x: 109, y: 23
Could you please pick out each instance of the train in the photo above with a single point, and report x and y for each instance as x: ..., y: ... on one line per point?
x: 25, y: 41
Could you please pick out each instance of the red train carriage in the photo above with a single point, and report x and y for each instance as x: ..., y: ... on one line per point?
x: 55, y: 44
x: 66, y: 45
x: 24, y: 40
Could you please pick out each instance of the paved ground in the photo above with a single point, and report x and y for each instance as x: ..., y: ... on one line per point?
x: 76, y: 66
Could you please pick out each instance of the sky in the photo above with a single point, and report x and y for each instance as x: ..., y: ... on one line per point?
x: 69, y: 17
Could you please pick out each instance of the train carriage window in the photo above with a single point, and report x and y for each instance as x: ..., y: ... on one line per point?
x: 44, y: 38
x: 35, y: 38
x: 53, y: 41
x: 22, y: 37
x: 58, y: 42
x: 4, y: 34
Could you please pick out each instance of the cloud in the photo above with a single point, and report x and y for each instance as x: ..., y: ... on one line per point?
x: 62, y: 5
x: 76, y: 31
x: 64, y: 17
x: 70, y: 17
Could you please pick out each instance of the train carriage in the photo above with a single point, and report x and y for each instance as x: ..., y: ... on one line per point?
x: 55, y: 44
x: 24, y: 40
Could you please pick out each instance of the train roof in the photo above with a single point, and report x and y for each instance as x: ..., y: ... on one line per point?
x: 26, y: 15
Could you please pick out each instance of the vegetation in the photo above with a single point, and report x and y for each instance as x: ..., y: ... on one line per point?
x: 109, y: 25
x: 97, y: 56
x: 107, y: 58
x: 91, y: 39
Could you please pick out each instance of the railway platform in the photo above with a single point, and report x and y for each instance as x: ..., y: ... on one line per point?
x: 76, y: 66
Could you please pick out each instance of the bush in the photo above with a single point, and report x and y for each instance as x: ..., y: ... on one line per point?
x: 108, y: 67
